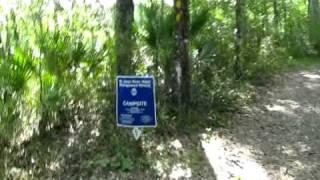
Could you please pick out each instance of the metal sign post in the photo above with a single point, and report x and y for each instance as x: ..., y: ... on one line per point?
x: 137, y: 132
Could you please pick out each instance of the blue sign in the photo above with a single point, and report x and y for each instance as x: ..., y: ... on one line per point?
x: 136, y: 104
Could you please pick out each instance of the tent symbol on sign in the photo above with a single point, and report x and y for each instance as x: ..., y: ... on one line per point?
x: 134, y: 92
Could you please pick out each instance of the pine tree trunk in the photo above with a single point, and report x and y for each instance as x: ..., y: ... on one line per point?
x: 181, y: 57
x: 124, y: 36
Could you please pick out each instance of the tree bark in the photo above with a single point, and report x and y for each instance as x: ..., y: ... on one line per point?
x: 239, y: 15
x: 276, y: 14
x: 276, y: 22
x: 314, y: 23
x: 124, y: 36
x: 181, y: 57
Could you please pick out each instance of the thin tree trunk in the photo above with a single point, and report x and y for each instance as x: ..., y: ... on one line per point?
x: 314, y: 23
x: 158, y: 54
x: 276, y: 21
x: 265, y: 17
x: 42, y: 127
x: 42, y: 123
x: 239, y: 14
x: 2, y: 50
x: 276, y: 13
x: 124, y: 36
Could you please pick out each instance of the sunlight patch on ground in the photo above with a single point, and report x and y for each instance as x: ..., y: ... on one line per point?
x: 292, y: 104
x: 180, y: 171
x: 18, y: 173
x: 310, y: 75
x: 302, y: 147
x: 169, y: 159
x: 176, y: 144
x: 279, y: 108
x: 231, y: 160
x: 276, y: 108
x: 288, y: 151
x: 296, y: 165
x: 54, y: 166
x: 311, y: 86
x: 285, y: 106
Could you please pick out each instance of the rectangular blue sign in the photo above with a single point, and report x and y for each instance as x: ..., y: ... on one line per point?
x: 136, y: 104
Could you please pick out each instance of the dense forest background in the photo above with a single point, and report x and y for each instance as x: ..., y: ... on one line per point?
x: 59, y: 60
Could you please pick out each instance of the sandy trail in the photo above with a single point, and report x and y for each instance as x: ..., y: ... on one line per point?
x: 277, y: 138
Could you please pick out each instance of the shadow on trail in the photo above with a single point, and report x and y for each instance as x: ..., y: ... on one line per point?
x: 178, y: 156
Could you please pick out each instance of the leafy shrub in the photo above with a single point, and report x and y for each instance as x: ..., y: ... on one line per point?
x: 270, y: 59
x: 15, y: 71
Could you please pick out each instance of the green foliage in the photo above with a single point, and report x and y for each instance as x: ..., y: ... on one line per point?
x: 15, y: 71
x: 269, y: 60
x: 9, y: 120
x: 217, y: 93
x: 118, y: 162
x: 198, y: 21
x: 309, y: 62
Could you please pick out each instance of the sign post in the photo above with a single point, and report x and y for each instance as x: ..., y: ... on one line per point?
x: 136, y: 103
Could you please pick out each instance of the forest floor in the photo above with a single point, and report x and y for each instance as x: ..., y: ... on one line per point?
x: 276, y: 138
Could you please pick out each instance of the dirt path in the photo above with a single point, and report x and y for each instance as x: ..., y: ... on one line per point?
x: 277, y: 138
